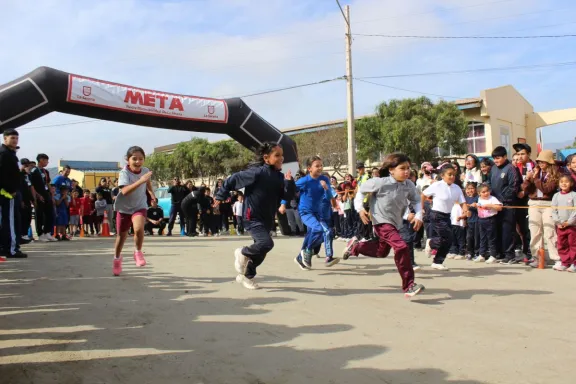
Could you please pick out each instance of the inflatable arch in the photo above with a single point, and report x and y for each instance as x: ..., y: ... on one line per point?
x: 46, y: 90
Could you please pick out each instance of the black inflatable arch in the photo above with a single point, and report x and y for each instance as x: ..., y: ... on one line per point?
x: 46, y: 90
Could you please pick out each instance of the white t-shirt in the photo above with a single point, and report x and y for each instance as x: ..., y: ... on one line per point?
x: 485, y: 213
x: 237, y: 208
x: 444, y: 196
x: 455, y: 214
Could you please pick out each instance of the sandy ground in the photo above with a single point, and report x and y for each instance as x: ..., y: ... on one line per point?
x: 182, y: 319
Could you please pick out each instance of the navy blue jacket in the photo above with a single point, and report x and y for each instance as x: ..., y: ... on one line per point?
x: 264, y: 188
x: 9, y: 170
x: 505, y: 182
x: 473, y: 211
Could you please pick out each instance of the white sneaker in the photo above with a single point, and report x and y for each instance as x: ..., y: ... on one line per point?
x: 479, y: 259
x: 50, y: 237
x: 459, y: 257
x: 416, y: 268
x: 246, y: 282
x: 572, y: 268
x: 43, y: 238
x: 272, y: 234
x: 559, y: 267
x: 450, y: 256
x: 240, y: 261
x: 25, y: 237
x: 439, y: 267
x: 491, y: 260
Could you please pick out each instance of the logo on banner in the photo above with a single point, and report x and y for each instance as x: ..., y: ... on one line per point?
x: 86, y: 91
x: 211, y: 109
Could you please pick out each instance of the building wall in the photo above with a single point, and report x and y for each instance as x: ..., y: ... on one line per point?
x: 91, y: 179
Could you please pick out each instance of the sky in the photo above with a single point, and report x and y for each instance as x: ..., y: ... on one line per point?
x: 228, y: 48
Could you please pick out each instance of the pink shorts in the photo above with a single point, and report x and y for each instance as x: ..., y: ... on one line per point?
x: 124, y: 220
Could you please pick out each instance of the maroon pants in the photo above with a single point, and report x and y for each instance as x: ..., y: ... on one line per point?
x: 567, y: 245
x: 389, y: 238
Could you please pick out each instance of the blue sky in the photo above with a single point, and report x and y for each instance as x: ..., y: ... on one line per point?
x: 224, y: 48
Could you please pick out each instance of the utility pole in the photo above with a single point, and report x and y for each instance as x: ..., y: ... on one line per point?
x: 350, y: 96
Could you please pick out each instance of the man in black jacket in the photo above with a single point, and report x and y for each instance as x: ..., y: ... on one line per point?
x: 505, y: 181
x: 177, y: 193
x: 10, y: 199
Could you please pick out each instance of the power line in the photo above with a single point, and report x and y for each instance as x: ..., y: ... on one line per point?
x: 293, y: 87
x: 61, y: 124
x: 343, y: 14
x: 466, y: 37
x: 407, y: 90
x: 494, y: 69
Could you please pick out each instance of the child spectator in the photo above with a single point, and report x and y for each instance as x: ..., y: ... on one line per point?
x: 75, y: 204
x: 409, y: 235
x: 237, y: 210
x: 205, y: 206
x: 488, y: 207
x: 458, y: 248
x: 216, y: 220
x: 155, y: 219
x: 86, y: 211
x: 62, y: 203
x: 472, y: 230
x: 101, y: 209
x: 472, y: 173
x: 565, y: 220
x: 426, y: 208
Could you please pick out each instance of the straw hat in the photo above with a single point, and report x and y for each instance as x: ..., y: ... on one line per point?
x: 546, y: 156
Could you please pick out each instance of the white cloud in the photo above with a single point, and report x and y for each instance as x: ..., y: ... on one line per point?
x: 232, y: 47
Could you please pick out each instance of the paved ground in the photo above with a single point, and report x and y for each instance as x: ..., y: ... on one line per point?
x: 181, y: 319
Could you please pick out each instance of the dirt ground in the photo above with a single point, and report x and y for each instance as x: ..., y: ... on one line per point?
x: 182, y: 319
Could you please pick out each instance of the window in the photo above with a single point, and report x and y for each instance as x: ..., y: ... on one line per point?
x: 476, y: 137
x: 505, y: 138
x: 476, y: 140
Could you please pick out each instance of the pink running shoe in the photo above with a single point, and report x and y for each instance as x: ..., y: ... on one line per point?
x: 139, y: 258
x: 117, y: 266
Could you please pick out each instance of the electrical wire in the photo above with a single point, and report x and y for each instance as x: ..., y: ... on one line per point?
x: 61, y: 124
x: 493, y: 69
x: 292, y: 87
x: 407, y: 90
x: 467, y: 37
x: 344, y: 15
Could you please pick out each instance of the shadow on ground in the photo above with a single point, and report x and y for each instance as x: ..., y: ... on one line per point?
x: 77, y: 324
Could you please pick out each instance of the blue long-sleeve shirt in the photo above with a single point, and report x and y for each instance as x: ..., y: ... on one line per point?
x: 473, y: 211
x: 264, y: 187
x: 312, y: 193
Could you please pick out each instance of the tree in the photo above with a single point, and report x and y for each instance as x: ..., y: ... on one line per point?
x: 415, y: 127
x: 573, y: 146
x: 329, y: 144
x: 161, y: 165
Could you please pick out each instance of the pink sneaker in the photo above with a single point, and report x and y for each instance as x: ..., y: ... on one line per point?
x: 117, y: 267
x: 139, y: 258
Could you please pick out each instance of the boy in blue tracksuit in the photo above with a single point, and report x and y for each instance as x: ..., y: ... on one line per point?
x: 264, y: 187
x: 472, y: 229
x: 313, y: 188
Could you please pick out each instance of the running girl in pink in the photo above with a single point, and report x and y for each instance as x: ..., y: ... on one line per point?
x: 131, y: 206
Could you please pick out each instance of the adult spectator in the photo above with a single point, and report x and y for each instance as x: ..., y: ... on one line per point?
x: 190, y: 209
x: 472, y: 173
x: 10, y: 198
x: 155, y: 219
x: 43, y: 203
x: 524, y: 165
x: 104, y: 189
x: 540, y: 185
x: 177, y: 193
x: 27, y: 193
x: 505, y: 181
x: 486, y: 165
x: 225, y: 210
x: 62, y: 180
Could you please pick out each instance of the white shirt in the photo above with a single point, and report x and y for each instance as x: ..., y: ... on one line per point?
x: 444, y: 196
x: 486, y: 213
x: 237, y: 208
x: 455, y: 214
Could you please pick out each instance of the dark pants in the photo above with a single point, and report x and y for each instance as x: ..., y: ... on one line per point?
x: 505, y: 230
x: 10, y: 224
x: 427, y: 229
x: 26, y: 218
x: 458, y: 240
x: 409, y: 236
x: 176, y: 209
x: 389, y: 237
x: 566, y: 241
x: 239, y: 224
x: 441, y: 236
x: 216, y: 224
x: 488, y: 237
x: 44, y: 216
x: 472, y: 238
x: 336, y: 221
x: 350, y: 223
x: 257, y: 252
x: 205, y: 219
x: 523, y: 242
x: 225, y: 213
x: 191, y: 221
x: 418, y: 238
x: 148, y: 227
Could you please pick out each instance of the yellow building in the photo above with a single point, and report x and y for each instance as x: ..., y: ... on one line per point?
x: 89, y: 173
